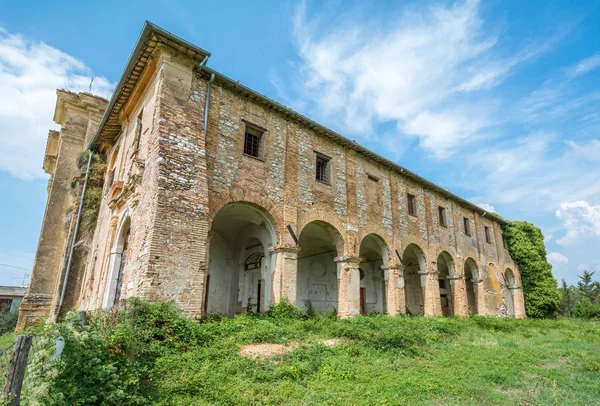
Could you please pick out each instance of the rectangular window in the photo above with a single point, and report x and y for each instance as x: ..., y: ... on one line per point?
x: 412, y: 205
x: 442, y: 283
x: 323, y: 168
x: 488, y: 238
x: 467, y: 225
x: 442, y: 213
x: 504, y: 242
x: 253, y: 142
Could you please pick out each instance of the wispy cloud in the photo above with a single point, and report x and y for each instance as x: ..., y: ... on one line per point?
x: 30, y: 73
x: 424, y: 73
x: 586, y: 65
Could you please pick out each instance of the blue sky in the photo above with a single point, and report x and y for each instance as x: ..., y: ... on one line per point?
x: 497, y: 101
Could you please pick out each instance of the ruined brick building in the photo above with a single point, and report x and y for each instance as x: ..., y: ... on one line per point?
x: 225, y: 201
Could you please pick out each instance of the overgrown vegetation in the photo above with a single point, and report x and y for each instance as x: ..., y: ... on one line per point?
x: 93, y: 194
x: 8, y: 319
x: 151, y: 354
x: 582, y: 300
x: 526, y: 246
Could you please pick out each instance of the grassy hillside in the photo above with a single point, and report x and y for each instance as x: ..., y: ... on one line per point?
x: 150, y: 354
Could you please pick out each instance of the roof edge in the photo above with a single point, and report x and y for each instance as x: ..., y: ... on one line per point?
x: 147, y: 30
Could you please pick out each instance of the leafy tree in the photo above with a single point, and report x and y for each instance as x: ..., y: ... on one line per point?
x: 588, y: 288
x: 567, y: 299
x: 526, y: 246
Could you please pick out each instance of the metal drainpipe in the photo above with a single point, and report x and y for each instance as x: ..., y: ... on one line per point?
x: 64, y: 286
x: 212, y: 77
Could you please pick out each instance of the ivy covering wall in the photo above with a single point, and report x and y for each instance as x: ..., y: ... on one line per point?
x: 526, y: 246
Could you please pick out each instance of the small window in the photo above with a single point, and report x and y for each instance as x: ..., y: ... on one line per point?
x: 488, y: 238
x: 442, y: 213
x: 412, y: 205
x: 372, y: 177
x: 253, y: 142
x: 323, y: 168
x: 504, y: 243
x: 467, y: 225
x: 442, y: 283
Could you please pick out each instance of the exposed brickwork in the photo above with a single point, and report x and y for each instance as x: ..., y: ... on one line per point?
x: 174, y: 185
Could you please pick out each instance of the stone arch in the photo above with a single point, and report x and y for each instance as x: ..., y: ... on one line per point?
x: 270, y: 211
x: 511, y: 285
x: 447, y: 277
x: 118, y: 257
x: 380, y: 232
x: 374, y: 255
x: 472, y: 282
x: 321, y: 246
x: 238, y: 230
x: 414, y: 261
x: 331, y: 223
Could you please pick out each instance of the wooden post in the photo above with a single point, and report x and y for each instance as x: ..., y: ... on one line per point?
x: 16, y: 370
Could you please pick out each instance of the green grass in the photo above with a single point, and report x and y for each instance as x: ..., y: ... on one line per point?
x: 392, y: 361
x: 151, y: 354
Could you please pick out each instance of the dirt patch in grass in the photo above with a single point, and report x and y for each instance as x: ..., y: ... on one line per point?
x: 267, y: 350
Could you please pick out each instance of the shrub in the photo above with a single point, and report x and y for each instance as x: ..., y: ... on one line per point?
x: 585, y: 309
x: 8, y: 319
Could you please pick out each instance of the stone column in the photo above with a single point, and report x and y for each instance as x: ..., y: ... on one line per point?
x: 480, y: 297
x: 285, y: 276
x: 457, y: 289
x: 348, y: 286
x: 394, y: 289
x: 518, y: 302
x: 432, y: 295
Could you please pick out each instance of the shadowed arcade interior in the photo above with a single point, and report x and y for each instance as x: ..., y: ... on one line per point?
x: 240, y: 264
x: 317, y: 280
x: 413, y: 259
x: 471, y: 280
x: 374, y: 254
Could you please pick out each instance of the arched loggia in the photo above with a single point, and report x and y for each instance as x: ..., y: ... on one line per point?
x: 509, y: 277
x: 317, y: 279
x: 240, y: 263
x: 375, y: 255
x: 114, y: 293
x: 471, y: 282
x: 446, y: 271
x: 415, y: 276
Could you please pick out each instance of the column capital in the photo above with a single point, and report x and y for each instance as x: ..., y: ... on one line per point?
x: 453, y: 277
x: 284, y: 248
x: 349, y: 259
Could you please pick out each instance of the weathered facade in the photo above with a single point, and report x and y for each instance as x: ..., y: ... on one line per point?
x: 225, y: 201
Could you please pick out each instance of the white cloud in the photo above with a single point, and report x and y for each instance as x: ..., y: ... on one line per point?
x: 580, y: 219
x: 586, y: 65
x: 557, y: 259
x: 487, y: 207
x: 30, y: 73
x: 416, y: 73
